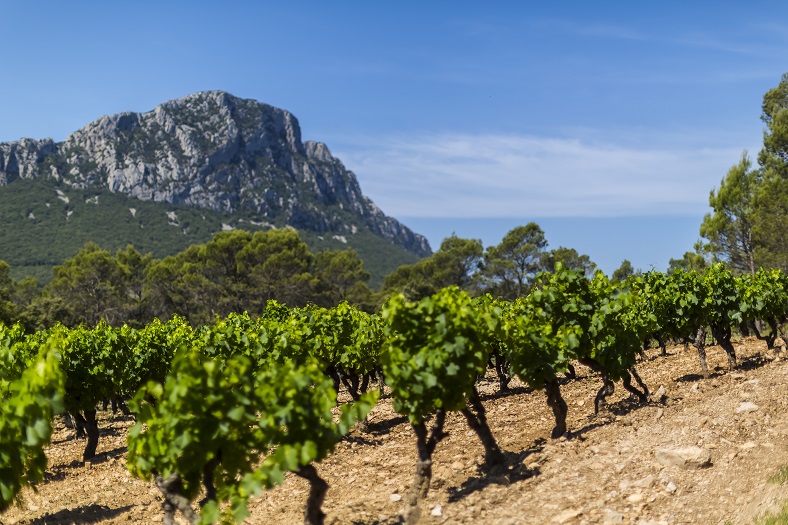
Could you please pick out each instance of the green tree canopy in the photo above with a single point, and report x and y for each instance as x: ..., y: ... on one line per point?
x: 94, y: 285
x: 342, y: 277
x: 569, y: 259
x: 695, y: 260
x: 770, y: 213
x: 623, y: 272
x: 510, y: 267
x: 7, y: 291
x: 747, y: 227
x: 456, y: 263
x: 729, y: 228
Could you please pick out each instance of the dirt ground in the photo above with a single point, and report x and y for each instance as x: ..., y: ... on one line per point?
x: 619, y: 467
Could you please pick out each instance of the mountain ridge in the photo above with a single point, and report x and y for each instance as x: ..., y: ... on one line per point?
x: 214, y: 151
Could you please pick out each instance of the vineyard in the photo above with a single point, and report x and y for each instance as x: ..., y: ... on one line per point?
x: 439, y: 410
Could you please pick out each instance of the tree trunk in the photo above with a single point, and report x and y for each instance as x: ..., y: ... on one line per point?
x: 700, y: 344
x: 662, y: 346
x: 477, y: 420
x: 174, y: 500
x: 772, y: 337
x: 627, y: 379
x: 501, y: 370
x: 421, y: 481
x: 608, y: 387
x: 89, y: 423
x: 381, y: 382
x: 208, y: 476
x: 557, y: 403
x: 351, y: 384
x: 313, y: 514
x: 723, y: 336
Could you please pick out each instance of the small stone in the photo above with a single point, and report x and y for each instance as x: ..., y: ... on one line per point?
x: 659, y: 413
x: 747, y: 407
x: 670, y: 488
x: 567, y: 515
x: 661, y: 395
x: 613, y: 518
x: 684, y: 457
x: 437, y: 510
x: 395, y: 497
x: 457, y: 466
x: 644, y: 483
x: 748, y: 446
x: 637, y: 497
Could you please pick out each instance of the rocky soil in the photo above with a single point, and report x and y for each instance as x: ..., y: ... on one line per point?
x: 701, y: 452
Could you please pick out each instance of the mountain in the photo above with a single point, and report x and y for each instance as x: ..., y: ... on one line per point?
x: 239, y: 161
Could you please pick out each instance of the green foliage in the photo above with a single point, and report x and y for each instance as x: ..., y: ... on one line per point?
x: 764, y: 295
x: 27, y: 405
x: 8, y: 310
x: 213, y: 422
x: 435, y: 351
x: 456, y: 263
x: 342, y: 277
x: 43, y: 230
x: 15, y: 355
x: 343, y: 337
x: 97, y: 364
x: 750, y: 210
x: 722, y: 302
x: 768, y: 518
x: 682, y: 309
x: 620, y: 322
x: 549, y: 327
x: 570, y: 259
x: 238, y: 271
x: 567, y: 316
x: 147, y: 352
x: 780, y: 477
x: 510, y: 267
x: 729, y: 228
x: 695, y: 260
x: 624, y: 272
x: 94, y: 286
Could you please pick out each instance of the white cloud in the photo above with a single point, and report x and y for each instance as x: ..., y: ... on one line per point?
x: 499, y: 175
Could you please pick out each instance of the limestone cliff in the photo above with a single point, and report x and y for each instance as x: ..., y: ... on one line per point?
x: 212, y: 150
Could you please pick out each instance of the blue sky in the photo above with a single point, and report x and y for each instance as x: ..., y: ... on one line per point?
x: 606, y: 123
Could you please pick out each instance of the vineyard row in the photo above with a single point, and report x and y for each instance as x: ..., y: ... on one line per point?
x: 224, y: 411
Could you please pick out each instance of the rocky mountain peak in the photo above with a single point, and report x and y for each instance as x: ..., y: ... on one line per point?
x: 211, y: 150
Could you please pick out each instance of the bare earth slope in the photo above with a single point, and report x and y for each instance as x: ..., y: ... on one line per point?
x: 611, y: 470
